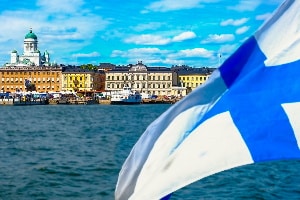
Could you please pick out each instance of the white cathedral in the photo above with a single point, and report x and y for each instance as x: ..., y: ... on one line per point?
x: 31, y: 55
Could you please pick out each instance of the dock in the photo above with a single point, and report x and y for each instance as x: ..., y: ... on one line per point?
x: 6, y: 102
x: 159, y: 101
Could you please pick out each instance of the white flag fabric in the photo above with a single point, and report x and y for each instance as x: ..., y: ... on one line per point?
x: 247, y: 112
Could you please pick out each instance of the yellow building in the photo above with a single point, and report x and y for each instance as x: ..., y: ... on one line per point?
x: 45, y: 79
x: 193, y: 77
x: 75, y: 79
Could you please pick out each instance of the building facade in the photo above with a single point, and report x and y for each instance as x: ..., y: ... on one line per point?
x: 75, y: 79
x: 45, y: 79
x: 191, y: 78
x: 149, y: 80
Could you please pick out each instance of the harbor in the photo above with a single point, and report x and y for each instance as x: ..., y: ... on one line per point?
x: 30, y: 99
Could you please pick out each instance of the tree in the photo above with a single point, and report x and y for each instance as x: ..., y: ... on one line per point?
x: 76, y: 82
x: 89, y: 67
x: 31, y: 87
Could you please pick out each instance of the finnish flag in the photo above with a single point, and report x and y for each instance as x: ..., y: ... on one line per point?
x: 247, y: 112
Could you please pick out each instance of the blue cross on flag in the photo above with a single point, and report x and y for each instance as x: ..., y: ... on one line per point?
x: 247, y: 112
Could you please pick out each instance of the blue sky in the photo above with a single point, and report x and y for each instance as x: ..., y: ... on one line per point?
x: 157, y: 32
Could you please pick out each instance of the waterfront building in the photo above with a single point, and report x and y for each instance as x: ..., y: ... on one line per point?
x: 44, y: 79
x: 76, y: 79
x: 31, y: 55
x: 191, y: 78
x: 149, y: 80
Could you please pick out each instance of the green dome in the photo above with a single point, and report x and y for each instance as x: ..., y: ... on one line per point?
x: 30, y: 35
x: 14, y: 51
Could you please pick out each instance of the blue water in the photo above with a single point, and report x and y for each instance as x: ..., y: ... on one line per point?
x: 76, y: 152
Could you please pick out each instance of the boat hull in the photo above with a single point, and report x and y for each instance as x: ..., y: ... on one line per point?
x: 125, y: 97
x: 31, y: 103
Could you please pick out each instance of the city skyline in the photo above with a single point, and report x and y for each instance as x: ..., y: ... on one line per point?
x: 159, y: 33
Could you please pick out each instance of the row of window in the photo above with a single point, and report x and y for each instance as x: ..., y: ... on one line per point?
x: 30, y: 73
x: 31, y: 79
x: 192, y: 85
x: 198, y: 78
x: 139, y: 86
x: 77, y: 86
x: 73, y: 78
x: 20, y: 87
x: 139, y: 78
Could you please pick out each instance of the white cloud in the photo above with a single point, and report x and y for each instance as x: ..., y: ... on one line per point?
x: 86, y: 55
x: 147, y: 55
x: 171, y: 5
x: 146, y: 51
x: 196, y: 52
x: 233, y: 22
x: 263, y: 16
x: 242, y: 30
x: 58, y: 6
x: 148, y: 26
x: 228, y: 49
x: 215, y: 38
x: 167, y: 5
x: 148, y: 39
x: 246, y: 5
x: 137, y: 52
x: 184, y: 36
x: 169, y: 57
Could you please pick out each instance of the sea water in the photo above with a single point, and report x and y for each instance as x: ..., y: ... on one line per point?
x: 76, y: 152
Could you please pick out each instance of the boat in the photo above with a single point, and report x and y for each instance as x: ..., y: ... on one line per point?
x: 30, y: 98
x: 24, y: 98
x: 125, y: 97
x: 20, y: 102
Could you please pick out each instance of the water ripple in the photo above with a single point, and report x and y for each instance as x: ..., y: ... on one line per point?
x: 76, y: 152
